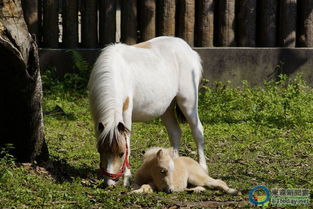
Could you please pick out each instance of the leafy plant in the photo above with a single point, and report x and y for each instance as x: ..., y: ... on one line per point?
x: 74, y: 82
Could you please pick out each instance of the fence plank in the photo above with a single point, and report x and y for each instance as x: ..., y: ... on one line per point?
x: 166, y: 18
x: 287, y: 23
x: 205, y: 29
x: 70, y: 23
x: 306, y: 23
x: 226, y: 23
x: 30, y: 10
x: 50, y: 23
x: 147, y: 19
x: 267, y: 23
x: 129, y: 21
x: 246, y: 23
x: 89, y: 24
x: 107, y: 22
x: 186, y: 20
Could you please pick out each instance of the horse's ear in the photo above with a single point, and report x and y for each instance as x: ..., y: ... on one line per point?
x: 121, y: 127
x: 100, y: 127
x: 160, y: 154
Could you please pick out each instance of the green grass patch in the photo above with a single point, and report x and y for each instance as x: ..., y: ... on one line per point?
x: 254, y: 136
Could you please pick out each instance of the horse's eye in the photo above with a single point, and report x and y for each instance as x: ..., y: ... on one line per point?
x: 163, y: 171
x: 121, y: 154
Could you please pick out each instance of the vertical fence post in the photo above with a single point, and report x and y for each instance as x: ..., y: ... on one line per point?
x: 267, y: 20
x: 70, y: 23
x: 205, y: 29
x: 306, y: 23
x: 107, y: 22
x: 186, y: 20
x: 226, y: 23
x: 287, y: 23
x: 147, y: 19
x: 129, y: 21
x: 166, y: 18
x: 89, y: 23
x: 246, y: 23
x: 30, y: 10
x: 50, y: 23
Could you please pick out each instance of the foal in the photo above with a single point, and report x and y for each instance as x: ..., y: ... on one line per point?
x: 161, y: 171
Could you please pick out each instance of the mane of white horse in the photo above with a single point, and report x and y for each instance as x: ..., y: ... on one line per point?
x: 102, y: 93
x: 112, y: 76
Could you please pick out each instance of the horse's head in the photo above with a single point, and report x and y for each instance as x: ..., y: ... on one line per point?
x: 163, y: 169
x: 113, y: 150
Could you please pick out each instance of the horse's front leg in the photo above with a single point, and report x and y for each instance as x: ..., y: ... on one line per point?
x: 127, y: 117
x: 127, y: 174
x: 172, y: 127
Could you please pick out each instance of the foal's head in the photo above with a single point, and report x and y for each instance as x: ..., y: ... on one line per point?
x: 112, y: 148
x: 162, y: 171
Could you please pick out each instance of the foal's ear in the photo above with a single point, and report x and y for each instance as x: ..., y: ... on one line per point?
x: 100, y: 127
x: 160, y: 154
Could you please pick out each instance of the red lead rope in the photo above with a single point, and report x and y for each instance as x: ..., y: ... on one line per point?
x: 122, y: 170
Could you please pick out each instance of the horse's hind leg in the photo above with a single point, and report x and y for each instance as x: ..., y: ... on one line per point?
x: 188, y: 103
x: 172, y: 127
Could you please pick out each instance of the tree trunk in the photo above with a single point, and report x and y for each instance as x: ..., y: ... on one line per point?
x: 21, y: 121
x: 246, y: 23
x: 287, y: 23
x: 226, y: 23
x: 129, y: 21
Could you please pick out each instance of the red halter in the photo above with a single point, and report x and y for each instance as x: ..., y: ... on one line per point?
x: 122, y: 170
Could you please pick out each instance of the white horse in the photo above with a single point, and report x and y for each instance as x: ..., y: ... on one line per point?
x: 139, y: 83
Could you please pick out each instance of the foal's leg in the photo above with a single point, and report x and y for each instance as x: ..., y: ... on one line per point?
x: 199, y: 178
x: 145, y: 188
x: 172, y: 127
x: 221, y: 185
x: 188, y: 103
x: 195, y: 189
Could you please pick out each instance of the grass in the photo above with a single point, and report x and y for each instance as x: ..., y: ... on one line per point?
x: 254, y: 136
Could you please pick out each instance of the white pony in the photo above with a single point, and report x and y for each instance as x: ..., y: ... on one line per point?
x: 139, y: 83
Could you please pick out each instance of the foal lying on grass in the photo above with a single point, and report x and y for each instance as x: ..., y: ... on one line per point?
x: 162, y: 172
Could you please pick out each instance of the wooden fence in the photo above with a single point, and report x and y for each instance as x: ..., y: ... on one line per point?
x: 202, y: 23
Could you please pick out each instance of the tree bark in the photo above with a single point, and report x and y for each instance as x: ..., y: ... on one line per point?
x: 70, y: 23
x: 21, y: 121
x: 129, y: 21
x: 247, y: 23
x: 166, y: 19
x: 50, y: 25
x: 267, y: 23
x: 89, y: 24
x: 186, y: 20
x: 226, y: 23
x: 205, y: 29
x: 107, y: 22
x: 148, y: 16
x: 306, y: 23
x: 287, y: 23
